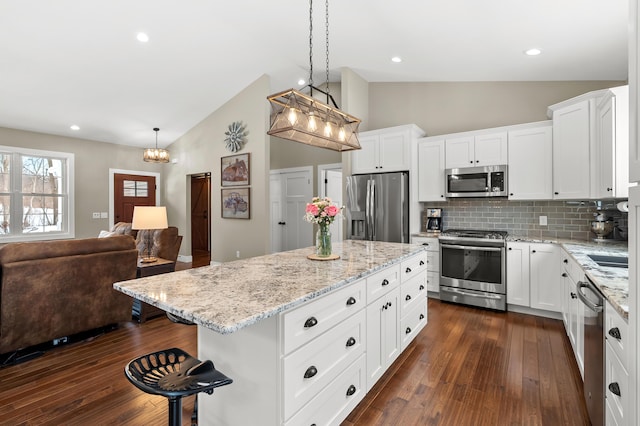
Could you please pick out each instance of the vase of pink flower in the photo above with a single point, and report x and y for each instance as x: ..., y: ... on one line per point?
x: 323, y: 212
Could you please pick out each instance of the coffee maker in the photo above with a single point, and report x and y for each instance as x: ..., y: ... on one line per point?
x: 432, y: 221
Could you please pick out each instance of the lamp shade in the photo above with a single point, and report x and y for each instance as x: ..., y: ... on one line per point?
x: 149, y: 217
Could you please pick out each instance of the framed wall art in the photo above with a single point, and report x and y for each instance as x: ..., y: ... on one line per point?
x: 234, y: 170
x: 236, y: 203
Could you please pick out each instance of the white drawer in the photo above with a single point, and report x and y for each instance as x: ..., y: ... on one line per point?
x: 614, y: 327
x: 382, y: 282
x: 429, y: 242
x: 412, y: 293
x: 322, y: 359
x: 412, y: 323
x: 571, y: 267
x: 337, y: 400
x: 314, y: 318
x: 433, y: 281
x: 414, y: 265
x: 616, y: 374
x: 433, y: 261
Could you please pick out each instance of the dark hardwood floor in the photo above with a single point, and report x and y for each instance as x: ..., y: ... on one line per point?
x: 467, y: 367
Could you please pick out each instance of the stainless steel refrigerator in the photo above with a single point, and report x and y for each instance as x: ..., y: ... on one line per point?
x: 378, y: 207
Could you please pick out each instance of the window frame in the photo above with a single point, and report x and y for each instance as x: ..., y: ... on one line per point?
x: 16, y: 195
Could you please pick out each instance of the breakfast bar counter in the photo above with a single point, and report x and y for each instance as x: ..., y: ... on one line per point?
x: 277, y: 325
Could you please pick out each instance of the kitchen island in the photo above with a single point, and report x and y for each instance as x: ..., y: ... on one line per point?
x: 303, y: 340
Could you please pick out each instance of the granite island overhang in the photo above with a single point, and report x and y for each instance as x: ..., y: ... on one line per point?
x: 242, y: 309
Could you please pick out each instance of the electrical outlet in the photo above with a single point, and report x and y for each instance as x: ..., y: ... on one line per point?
x: 96, y: 215
x: 104, y: 215
x: 543, y: 221
x: 238, y: 254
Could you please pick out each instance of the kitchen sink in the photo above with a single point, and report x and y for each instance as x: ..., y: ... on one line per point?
x: 610, y: 261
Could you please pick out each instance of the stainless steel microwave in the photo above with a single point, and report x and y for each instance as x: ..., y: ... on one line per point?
x: 488, y: 181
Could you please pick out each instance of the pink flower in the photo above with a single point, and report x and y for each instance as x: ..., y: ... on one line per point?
x: 312, y: 209
x: 332, y: 210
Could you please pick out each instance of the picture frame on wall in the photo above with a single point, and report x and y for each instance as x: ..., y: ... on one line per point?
x: 234, y: 170
x: 236, y: 203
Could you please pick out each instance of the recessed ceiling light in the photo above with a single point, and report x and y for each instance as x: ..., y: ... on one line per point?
x: 74, y: 127
x: 301, y: 82
x: 532, y: 52
x: 396, y: 59
x: 142, y: 37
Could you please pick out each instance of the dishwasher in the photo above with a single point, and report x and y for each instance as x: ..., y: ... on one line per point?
x: 593, y: 318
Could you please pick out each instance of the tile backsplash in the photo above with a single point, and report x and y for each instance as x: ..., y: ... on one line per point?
x: 565, y: 219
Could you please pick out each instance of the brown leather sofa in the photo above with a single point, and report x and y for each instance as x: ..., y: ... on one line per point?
x: 54, y: 289
x: 165, y: 243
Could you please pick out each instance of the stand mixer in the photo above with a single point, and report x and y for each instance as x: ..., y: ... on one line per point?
x: 601, y: 226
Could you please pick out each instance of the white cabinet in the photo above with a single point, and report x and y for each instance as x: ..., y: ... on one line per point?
x: 617, y: 382
x: 383, y: 335
x: 530, y: 163
x: 433, y: 261
x: 533, y: 275
x: 385, y: 150
x: 572, y: 136
x: 572, y: 307
x: 611, y: 162
x: 476, y: 150
x: 431, y: 169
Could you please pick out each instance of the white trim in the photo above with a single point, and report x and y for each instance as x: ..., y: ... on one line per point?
x: 292, y: 170
x: 322, y: 168
x: 113, y: 172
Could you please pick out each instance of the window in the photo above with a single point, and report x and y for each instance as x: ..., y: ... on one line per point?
x: 36, y: 195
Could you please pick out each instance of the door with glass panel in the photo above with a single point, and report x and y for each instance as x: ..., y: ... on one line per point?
x: 130, y: 191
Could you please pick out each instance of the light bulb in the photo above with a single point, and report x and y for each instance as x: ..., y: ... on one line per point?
x: 327, y: 129
x: 313, y: 125
x: 342, y: 134
x: 292, y: 116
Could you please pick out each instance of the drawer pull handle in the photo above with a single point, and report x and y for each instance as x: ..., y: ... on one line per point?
x: 385, y: 282
x: 408, y: 297
x: 408, y: 270
x: 425, y: 244
x: 615, y: 333
x: 311, y: 371
x: 351, y: 342
x: 422, y: 287
x: 351, y: 390
x: 573, y: 295
x: 408, y: 330
x: 564, y: 274
x: 351, y: 301
x: 421, y: 316
x: 310, y: 322
x: 614, y: 388
x: 566, y: 260
x: 421, y: 262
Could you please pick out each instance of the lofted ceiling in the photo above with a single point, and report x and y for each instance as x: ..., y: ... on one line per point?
x: 78, y: 62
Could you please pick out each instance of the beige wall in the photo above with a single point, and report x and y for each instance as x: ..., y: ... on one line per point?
x: 440, y: 108
x: 200, y: 150
x: 92, y: 163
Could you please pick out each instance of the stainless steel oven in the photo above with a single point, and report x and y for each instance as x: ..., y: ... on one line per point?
x: 473, y: 268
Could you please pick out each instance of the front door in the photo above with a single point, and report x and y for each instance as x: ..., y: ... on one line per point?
x: 201, y: 218
x: 130, y: 191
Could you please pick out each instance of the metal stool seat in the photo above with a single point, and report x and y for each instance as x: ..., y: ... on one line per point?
x: 173, y: 373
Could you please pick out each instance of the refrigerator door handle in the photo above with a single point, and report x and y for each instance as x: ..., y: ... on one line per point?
x: 372, y: 210
x: 366, y: 211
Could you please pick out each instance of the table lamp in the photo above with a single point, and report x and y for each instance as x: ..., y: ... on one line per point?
x: 149, y: 218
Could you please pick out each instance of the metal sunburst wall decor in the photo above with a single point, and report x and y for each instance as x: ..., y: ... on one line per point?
x: 236, y: 136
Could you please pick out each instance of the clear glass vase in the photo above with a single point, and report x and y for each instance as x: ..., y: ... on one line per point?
x: 323, y: 241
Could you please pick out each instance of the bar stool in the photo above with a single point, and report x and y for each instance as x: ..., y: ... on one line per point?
x: 173, y: 373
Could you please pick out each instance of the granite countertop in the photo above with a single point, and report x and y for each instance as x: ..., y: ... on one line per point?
x: 613, y: 282
x: 234, y: 295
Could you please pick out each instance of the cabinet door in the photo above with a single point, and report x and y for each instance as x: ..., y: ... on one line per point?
x: 366, y: 160
x: 383, y: 335
x: 545, y: 275
x: 571, y: 142
x: 459, y: 152
x: 605, y: 161
x: 394, y: 149
x: 530, y: 160
x: 518, y: 273
x: 491, y: 150
x: 431, y: 170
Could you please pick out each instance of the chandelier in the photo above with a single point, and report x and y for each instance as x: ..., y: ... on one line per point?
x: 156, y: 155
x: 304, y: 118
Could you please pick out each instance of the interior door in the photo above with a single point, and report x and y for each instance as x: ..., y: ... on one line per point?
x: 130, y: 191
x: 290, y: 193
x: 201, y: 217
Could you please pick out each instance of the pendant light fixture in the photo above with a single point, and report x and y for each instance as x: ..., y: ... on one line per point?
x: 303, y: 118
x: 156, y: 155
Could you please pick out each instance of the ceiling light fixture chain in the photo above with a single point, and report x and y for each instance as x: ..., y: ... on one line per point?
x: 311, y: 43
x: 326, y: 27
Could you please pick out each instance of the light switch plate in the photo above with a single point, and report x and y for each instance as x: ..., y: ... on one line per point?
x: 96, y: 215
x: 543, y: 221
x: 104, y: 215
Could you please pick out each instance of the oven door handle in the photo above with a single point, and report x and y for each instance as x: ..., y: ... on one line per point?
x: 464, y: 293
x: 479, y: 248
